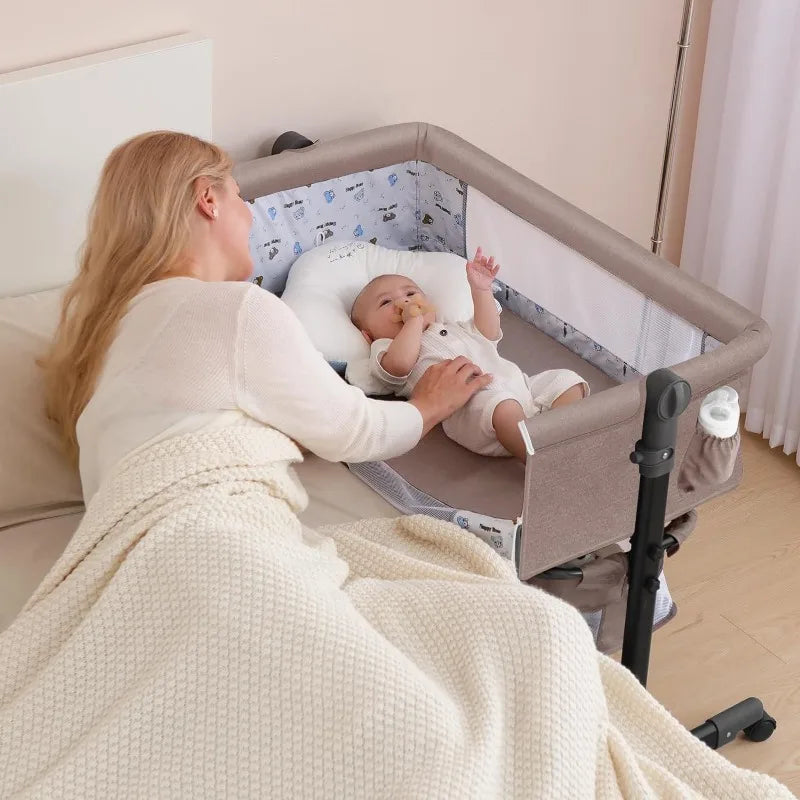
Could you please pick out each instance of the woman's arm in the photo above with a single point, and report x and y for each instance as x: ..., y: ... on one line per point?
x: 283, y: 381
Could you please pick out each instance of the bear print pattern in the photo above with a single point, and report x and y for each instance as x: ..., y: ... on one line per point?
x: 409, y: 206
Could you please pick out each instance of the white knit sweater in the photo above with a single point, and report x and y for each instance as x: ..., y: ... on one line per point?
x: 191, y: 355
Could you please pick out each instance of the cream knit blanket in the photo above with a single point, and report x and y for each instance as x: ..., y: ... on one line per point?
x: 195, y: 642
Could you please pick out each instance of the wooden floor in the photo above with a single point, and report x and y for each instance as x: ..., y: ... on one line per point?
x: 737, y: 633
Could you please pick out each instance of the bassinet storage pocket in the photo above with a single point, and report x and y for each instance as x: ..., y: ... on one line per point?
x: 711, y: 456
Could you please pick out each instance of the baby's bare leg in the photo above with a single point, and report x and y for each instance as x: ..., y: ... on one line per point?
x: 572, y: 395
x: 505, y: 419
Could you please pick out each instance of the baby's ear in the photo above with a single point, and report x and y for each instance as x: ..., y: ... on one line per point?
x: 366, y: 335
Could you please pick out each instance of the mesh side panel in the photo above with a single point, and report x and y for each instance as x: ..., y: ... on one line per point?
x: 499, y: 534
x: 593, y: 620
x: 603, y: 308
x: 564, y: 333
x: 399, y: 493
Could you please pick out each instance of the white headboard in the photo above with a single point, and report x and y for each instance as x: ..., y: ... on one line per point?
x: 59, y: 122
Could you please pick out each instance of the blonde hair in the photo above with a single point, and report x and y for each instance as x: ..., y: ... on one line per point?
x: 138, y: 232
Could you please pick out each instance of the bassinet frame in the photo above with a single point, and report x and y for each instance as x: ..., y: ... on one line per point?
x: 582, y: 445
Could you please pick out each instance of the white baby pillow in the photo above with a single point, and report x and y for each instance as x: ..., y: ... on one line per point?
x: 324, y: 282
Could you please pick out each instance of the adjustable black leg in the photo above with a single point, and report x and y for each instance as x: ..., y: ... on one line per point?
x: 667, y: 398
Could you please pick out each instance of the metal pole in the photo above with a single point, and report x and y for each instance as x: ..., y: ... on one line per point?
x: 677, y: 87
x: 667, y: 398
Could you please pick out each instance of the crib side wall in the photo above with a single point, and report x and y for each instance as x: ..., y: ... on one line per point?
x: 585, y: 488
x: 580, y: 482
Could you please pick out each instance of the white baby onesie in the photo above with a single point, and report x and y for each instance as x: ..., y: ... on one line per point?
x: 471, y: 426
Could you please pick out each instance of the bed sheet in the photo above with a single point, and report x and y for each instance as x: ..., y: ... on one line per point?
x: 27, y: 552
x: 336, y: 495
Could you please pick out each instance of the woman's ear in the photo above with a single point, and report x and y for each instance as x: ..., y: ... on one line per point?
x: 366, y: 335
x: 207, y: 199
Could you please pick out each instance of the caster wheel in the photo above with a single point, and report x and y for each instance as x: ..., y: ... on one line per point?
x: 761, y: 731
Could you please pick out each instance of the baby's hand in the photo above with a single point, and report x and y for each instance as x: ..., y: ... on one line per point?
x: 481, y: 271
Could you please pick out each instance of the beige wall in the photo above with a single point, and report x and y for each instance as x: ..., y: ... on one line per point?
x: 570, y: 92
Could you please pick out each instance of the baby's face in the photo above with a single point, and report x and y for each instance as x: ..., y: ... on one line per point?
x: 375, y: 309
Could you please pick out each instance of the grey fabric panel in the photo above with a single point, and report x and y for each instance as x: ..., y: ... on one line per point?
x: 581, y: 491
x: 580, y: 496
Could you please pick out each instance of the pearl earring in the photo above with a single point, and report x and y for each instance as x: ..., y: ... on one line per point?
x: 214, y: 213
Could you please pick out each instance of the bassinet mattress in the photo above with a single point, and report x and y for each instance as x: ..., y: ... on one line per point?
x: 495, y: 486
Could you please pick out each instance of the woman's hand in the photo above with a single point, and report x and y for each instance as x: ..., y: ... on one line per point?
x: 481, y: 272
x: 446, y: 387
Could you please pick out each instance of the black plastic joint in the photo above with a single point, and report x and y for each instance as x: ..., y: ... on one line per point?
x: 653, y: 463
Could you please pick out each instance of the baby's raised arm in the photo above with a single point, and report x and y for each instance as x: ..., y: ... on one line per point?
x: 481, y: 272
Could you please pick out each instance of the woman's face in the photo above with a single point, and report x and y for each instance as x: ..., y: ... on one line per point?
x: 232, y: 229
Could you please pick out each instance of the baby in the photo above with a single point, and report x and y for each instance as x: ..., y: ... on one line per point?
x: 401, y: 352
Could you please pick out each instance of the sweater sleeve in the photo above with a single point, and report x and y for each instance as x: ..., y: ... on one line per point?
x: 283, y: 381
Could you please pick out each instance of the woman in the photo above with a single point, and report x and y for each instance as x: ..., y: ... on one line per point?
x: 161, y: 333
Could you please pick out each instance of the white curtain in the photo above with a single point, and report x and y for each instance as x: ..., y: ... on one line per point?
x: 743, y: 219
